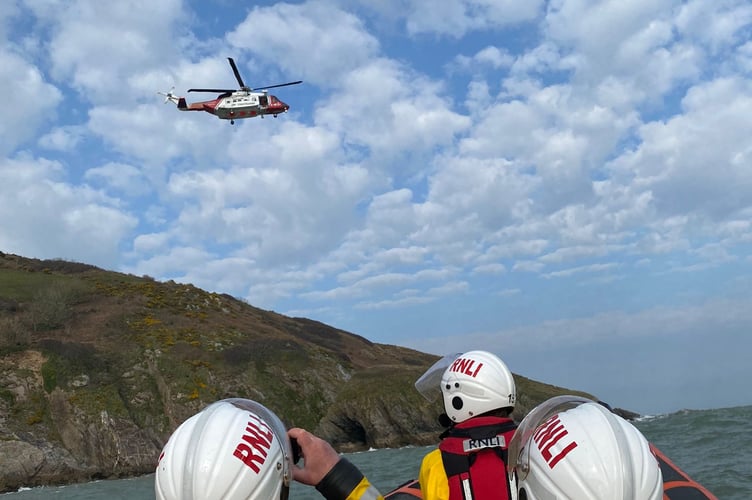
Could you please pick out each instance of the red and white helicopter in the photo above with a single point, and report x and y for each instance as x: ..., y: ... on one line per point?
x: 234, y: 104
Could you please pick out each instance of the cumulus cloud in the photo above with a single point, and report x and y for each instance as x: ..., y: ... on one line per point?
x: 119, y: 177
x: 457, y: 17
x: 64, y: 139
x: 328, y: 42
x: 78, y: 223
x: 97, y: 47
x: 405, y: 112
x: 21, y: 83
x: 491, y: 56
x: 697, y: 162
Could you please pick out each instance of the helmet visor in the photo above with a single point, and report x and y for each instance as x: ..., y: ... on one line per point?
x: 278, y: 429
x: 528, y: 426
x: 429, y: 384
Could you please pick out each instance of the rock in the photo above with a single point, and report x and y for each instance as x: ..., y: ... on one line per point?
x: 24, y: 464
x: 626, y: 414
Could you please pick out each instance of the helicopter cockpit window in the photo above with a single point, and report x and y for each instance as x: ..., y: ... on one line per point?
x: 263, y: 100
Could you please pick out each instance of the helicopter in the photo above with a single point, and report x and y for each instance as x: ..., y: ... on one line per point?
x: 234, y: 104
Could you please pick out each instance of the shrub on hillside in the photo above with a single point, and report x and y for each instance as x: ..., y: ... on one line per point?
x: 53, y: 305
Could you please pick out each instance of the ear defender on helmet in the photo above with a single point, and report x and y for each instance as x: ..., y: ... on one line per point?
x: 475, y: 383
x: 234, y: 449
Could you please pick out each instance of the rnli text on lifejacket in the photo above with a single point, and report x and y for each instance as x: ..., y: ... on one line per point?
x: 478, y: 444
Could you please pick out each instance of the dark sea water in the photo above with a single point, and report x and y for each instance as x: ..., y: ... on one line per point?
x: 713, y: 446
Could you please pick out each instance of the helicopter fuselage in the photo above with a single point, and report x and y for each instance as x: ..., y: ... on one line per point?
x: 238, y: 105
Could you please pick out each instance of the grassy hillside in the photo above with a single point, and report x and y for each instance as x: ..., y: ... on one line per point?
x: 100, y: 367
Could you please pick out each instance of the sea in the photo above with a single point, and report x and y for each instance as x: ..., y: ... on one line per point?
x: 713, y: 446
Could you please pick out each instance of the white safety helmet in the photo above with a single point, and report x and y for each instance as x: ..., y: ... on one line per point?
x: 570, y: 447
x: 471, y: 384
x: 234, y: 449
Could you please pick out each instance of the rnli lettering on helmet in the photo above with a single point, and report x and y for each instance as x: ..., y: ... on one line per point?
x: 466, y: 366
x: 548, y: 438
x: 255, y: 443
x: 478, y: 444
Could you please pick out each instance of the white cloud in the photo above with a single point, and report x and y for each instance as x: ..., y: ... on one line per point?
x: 489, y: 269
x: 630, y: 42
x: 316, y: 40
x: 119, y: 177
x: 490, y: 56
x: 158, y: 134
x: 528, y: 266
x: 564, y: 254
x: 65, y: 138
x: 457, y: 17
x: 697, y: 162
x: 97, y: 47
x: 386, y: 108
x: 463, y: 200
x: 78, y: 223
x: 592, y: 268
x: 34, y: 101
x: 719, y: 24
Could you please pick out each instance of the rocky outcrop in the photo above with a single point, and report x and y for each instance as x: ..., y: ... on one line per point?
x: 27, y: 461
x: 362, y: 418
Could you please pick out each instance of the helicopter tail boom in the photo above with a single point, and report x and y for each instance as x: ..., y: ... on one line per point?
x: 177, y: 100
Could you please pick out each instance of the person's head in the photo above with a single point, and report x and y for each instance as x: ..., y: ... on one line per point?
x: 477, y: 383
x: 234, y: 449
x: 571, y: 447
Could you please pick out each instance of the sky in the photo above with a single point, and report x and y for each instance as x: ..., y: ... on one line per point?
x: 565, y: 183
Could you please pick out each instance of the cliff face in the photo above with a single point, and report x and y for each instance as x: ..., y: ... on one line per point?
x: 98, y: 368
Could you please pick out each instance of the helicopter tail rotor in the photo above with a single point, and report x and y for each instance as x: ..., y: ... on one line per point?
x: 169, y: 96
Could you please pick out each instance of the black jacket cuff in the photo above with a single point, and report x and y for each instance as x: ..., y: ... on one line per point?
x: 340, y: 481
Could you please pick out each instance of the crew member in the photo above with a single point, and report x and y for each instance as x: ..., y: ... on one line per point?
x: 479, y: 394
x: 571, y: 447
x: 237, y: 449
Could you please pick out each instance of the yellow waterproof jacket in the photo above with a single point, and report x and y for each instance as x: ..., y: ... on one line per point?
x: 433, y: 478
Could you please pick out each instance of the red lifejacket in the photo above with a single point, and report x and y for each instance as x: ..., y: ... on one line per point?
x: 474, y: 454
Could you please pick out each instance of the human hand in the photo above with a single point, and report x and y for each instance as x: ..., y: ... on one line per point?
x: 319, y: 457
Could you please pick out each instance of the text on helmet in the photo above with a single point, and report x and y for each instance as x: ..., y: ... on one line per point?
x: 466, y: 366
x: 255, y: 443
x: 547, y: 438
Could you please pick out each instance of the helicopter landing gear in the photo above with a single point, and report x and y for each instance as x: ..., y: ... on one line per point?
x: 232, y: 122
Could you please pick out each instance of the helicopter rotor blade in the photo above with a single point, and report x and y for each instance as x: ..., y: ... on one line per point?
x: 220, y: 91
x: 279, y: 85
x: 237, y: 73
